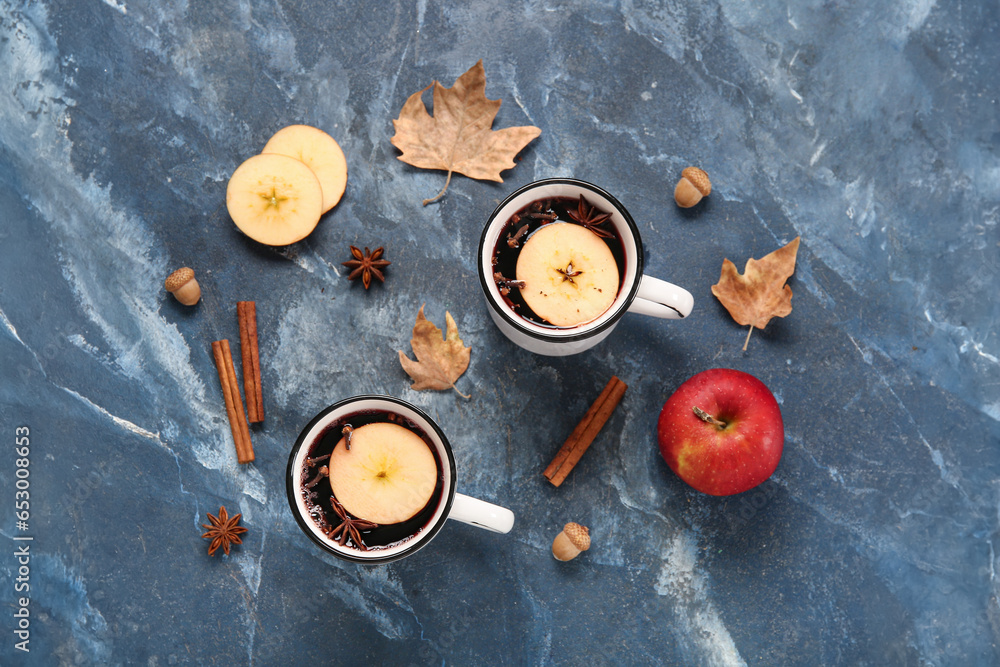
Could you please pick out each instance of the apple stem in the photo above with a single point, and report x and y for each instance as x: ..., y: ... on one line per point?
x: 747, y: 341
x: 705, y: 417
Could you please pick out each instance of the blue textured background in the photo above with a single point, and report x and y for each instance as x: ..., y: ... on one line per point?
x: 873, y: 131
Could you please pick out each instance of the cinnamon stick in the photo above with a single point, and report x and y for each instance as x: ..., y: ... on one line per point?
x: 246, y: 312
x: 585, y: 432
x: 570, y: 443
x: 234, y: 404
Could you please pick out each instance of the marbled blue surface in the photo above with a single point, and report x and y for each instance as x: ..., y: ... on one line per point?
x: 870, y: 129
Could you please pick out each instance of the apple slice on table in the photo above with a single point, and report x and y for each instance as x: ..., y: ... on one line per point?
x: 387, y: 476
x: 320, y: 152
x: 570, y: 276
x: 722, y: 432
x: 274, y: 199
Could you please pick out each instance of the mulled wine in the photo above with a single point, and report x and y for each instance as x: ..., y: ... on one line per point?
x: 317, y: 493
x: 554, y: 285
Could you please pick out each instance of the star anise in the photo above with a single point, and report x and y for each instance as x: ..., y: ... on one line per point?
x: 223, y: 531
x: 349, y: 527
x: 590, y: 217
x: 569, y: 273
x: 366, y: 265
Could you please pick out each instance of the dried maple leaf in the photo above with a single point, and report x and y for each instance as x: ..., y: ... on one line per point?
x: 440, y: 361
x: 760, y: 293
x: 459, y: 137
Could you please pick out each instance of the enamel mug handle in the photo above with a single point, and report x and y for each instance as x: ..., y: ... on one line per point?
x: 481, y: 514
x: 658, y: 298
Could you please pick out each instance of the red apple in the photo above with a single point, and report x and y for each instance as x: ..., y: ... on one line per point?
x: 722, y: 432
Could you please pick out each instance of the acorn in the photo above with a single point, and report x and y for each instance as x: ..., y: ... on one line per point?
x: 573, y: 540
x: 183, y: 286
x: 693, y: 186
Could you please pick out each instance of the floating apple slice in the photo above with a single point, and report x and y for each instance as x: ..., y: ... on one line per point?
x: 274, y: 199
x: 387, y: 476
x: 320, y: 152
x: 570, y: 276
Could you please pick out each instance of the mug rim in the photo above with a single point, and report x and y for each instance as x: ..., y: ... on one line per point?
x: 292, y: 485
x: 518, y: 323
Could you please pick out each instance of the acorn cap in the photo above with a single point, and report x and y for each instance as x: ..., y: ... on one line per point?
x: 178, y: 279
x: 578, y: 535
x: 699, y: 179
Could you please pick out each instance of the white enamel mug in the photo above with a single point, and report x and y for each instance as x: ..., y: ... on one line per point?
x: 638, y: 293
x: 446, y: 504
